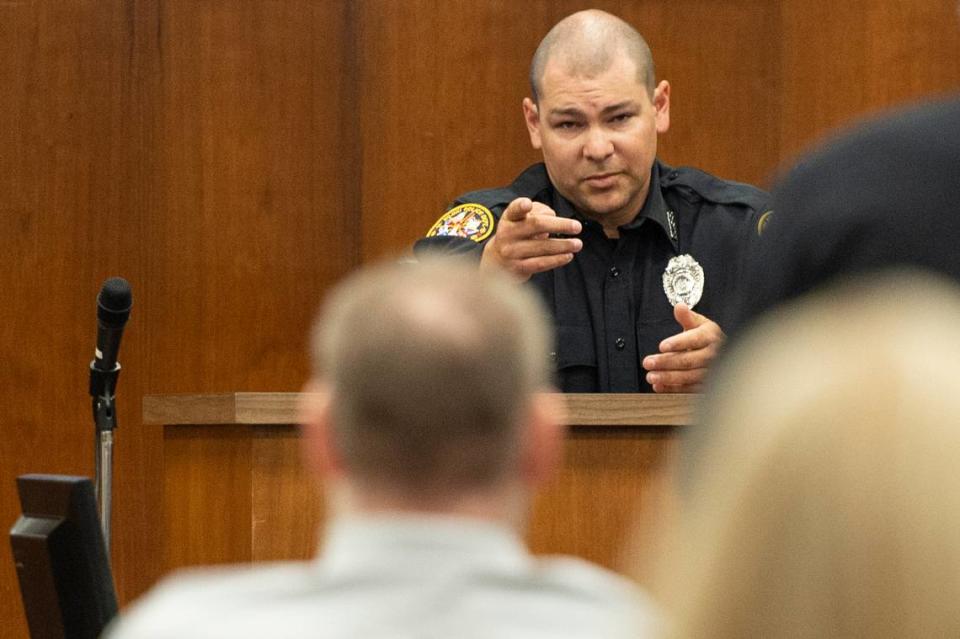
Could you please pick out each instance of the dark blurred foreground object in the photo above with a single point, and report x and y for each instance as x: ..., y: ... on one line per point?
x: 886, y: 194
x: 61, y: 559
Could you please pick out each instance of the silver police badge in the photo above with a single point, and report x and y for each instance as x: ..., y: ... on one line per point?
x: 683, y: 281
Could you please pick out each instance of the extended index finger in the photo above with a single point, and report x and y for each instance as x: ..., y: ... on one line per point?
x: 517, y: 210
x: 553, y: 225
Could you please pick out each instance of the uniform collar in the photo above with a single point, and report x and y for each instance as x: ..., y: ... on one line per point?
x: 654, y: 208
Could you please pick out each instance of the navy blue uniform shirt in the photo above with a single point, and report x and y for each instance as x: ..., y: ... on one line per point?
x: 608, y: 305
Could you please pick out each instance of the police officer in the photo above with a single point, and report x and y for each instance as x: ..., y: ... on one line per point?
x: 620, y: 245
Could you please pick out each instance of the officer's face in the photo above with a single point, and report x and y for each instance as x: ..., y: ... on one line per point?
x: 598, y: 136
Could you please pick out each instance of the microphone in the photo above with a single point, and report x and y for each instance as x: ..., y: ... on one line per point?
x: 113, y: 311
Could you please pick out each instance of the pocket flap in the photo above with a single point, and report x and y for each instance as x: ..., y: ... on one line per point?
x: 575, y: 347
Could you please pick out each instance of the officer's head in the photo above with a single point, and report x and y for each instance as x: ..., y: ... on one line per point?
x: 427, y: 384
x: 595, y: 113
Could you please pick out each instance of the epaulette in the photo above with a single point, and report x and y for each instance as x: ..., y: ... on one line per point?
x: 531, y: 183
x: 494, y: 199
x: 692, y: 181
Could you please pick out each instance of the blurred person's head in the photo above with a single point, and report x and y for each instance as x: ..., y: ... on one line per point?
x: 826, y: 501
x: 428, y: 392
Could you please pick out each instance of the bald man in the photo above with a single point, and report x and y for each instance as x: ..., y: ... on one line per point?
x: 620, y: 245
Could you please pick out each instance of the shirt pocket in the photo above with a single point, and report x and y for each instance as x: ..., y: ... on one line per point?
x: 651, y: 332
x: 576, y: 360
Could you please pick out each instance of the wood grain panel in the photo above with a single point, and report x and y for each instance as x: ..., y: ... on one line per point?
x: 608, y: 478
x: 580, y: 409
x: 442, y: 84
x: 721, y: 59
x: 240, y: 493
x: 65, y: 203
x: 248, y: 219
x: 207, y: 495
x: 255, y: 222
x: 196, y: 149
x: 614, y: 469
x: 843, y: 61
x: 287, y: 504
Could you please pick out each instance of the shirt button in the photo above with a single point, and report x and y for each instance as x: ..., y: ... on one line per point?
x: 620, y: 343
x: 614, y: 272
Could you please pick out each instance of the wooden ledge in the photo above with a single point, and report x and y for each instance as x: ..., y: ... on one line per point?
x: 588, y: 409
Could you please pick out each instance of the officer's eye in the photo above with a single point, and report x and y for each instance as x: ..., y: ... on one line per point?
x: 621, y: 117
x: 567, y: 125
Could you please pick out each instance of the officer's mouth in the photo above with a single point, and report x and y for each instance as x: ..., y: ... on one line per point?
x: 601, y: 180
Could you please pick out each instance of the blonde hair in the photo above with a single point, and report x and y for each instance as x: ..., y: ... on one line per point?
x: 827, y: 501
x: 432, y: 365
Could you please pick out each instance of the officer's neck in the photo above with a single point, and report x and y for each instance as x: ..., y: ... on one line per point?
x: 611, y: 221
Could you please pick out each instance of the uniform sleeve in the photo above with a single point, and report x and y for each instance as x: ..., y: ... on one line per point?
x: 463, y: 230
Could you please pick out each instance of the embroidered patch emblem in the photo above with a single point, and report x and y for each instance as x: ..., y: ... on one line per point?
x: 470, y: 221
x: 762, y: 222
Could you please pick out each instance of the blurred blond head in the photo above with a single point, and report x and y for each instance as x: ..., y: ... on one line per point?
x: 827, y: 503
x: 428, y: 391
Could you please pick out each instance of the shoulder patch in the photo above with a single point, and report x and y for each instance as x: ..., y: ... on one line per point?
x: 471, y: 221
x: 763, y: 221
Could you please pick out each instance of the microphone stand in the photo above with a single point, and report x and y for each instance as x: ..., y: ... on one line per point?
x: 102, y: 387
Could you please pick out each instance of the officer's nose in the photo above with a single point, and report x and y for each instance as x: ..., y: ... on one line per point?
x: 598, y: 146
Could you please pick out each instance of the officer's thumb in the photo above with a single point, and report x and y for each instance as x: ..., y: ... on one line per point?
x: 686, y: 317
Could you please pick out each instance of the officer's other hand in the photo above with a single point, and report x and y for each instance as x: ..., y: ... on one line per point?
x: 522, y: 243
x: 682, y: 363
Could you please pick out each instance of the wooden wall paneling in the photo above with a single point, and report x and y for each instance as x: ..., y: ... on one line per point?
x: 67, y: 212
x: 255, y: 223
x: 207, y: 505
x: 251, y: 226
x: 602, y: 468
x: 721, y: 59
x: 196, y: 149
x: 441, y: 85
x: 287, y: 503
x: 234, y: 463
x: 137, y: 487
x: 842, y: 62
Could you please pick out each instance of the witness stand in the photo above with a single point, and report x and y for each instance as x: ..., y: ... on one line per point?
x: 235, y: 489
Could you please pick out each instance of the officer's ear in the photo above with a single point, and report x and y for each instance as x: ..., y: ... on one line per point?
x: 661, y: 105
x: 531, y: 114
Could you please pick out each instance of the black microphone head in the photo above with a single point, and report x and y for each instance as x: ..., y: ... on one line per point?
x: 114, y: 302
